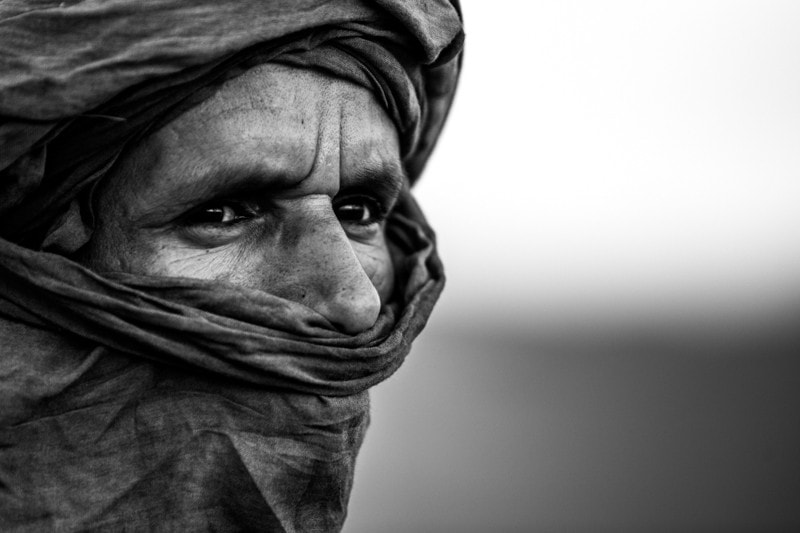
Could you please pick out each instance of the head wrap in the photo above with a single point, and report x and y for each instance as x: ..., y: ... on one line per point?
x: 111, y: 385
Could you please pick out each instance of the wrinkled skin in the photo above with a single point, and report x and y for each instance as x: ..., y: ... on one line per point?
x: 281, y: 182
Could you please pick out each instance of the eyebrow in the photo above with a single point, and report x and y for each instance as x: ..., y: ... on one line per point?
x: 387, y: 181
x: 226, y: 180
x: 384, y: 179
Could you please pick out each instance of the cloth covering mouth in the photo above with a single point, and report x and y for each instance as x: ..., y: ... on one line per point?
x: 143, y: 403
x: 229, y: 330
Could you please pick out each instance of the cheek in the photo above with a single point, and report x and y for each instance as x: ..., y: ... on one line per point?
x: 377, y: 262
x: 268, y: 264
x: 114, y: 249
x: 177, y: 260
x: 109, y: 250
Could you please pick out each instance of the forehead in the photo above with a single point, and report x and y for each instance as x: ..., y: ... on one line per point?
x: 275, y: 123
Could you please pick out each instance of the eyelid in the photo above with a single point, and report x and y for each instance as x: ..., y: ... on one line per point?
x: 382, y: 196
x: 193, y: 217
x: 349, y: 196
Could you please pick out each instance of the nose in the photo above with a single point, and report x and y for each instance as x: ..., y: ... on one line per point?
x: 327, y: 274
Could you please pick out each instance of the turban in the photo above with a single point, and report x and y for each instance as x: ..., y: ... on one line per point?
x: 141, y: 402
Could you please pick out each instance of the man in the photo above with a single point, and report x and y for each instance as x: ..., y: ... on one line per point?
x: 209, y: 252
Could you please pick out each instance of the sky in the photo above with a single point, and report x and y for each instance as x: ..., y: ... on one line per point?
x: 621, y: 158
x: 615, y: 199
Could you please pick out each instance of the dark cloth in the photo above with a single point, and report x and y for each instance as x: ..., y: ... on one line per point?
x: 139, y: 403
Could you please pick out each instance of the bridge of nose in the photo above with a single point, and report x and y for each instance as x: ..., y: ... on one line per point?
x: 326, y: 269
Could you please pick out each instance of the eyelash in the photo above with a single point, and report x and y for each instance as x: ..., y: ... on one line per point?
x: 238, y: 206
x: 205, y: 218
x: 375, y: 207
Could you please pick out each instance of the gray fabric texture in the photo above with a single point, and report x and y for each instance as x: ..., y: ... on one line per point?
x: 139, y: 403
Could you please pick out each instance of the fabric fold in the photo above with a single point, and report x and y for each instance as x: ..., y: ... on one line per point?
x: 177, y: 404
x: 226, y: 329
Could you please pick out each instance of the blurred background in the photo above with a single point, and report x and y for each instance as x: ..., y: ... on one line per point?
x: 616, y: 196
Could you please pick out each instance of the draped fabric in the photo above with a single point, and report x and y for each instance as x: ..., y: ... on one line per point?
x: 142, y: 403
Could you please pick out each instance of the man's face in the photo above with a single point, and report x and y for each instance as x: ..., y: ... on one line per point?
x: 280, y: 182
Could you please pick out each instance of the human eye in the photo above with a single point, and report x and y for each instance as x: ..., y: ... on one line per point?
x: 359, y: 212
x: 218, y: 222
x: 220, y: 213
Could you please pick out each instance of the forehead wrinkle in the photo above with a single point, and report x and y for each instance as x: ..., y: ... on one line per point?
x: 255, y: 163
x: 380, y: 168
x: 340, y: 161
x: 327, y: 150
